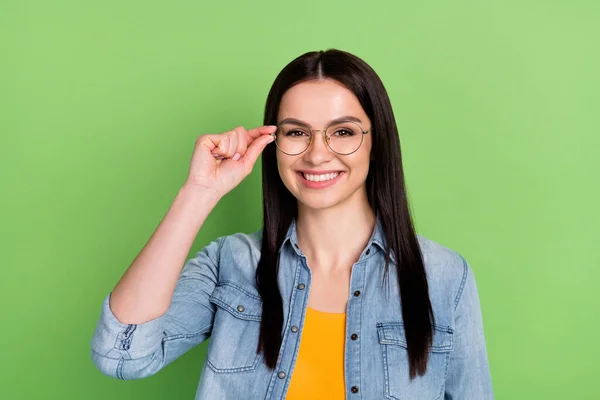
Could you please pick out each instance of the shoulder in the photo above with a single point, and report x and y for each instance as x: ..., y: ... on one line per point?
x: 243, y: 240
x: 238, y: 256
x: 446, y: 270
x: 244, y: 245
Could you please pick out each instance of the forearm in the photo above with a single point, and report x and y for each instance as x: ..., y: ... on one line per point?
x: 145, y: 290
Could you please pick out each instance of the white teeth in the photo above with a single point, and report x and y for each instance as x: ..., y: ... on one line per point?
x: 320, y: 178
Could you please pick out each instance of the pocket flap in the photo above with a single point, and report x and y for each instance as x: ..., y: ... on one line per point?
x: 237, y: 301
x: 393, y: 333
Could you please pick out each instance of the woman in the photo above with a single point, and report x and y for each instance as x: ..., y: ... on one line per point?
x: 304, y: 308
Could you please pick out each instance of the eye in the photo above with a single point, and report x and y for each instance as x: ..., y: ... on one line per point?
x: 295, y: 133
x: 344, y: 132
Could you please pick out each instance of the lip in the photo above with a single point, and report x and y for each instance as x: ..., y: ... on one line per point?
x: 313, y: 172
x: 319, y: 185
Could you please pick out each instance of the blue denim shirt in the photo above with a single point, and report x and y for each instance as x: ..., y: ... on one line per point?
x: 216, y: 297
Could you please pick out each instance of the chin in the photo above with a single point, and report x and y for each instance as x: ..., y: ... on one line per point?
x: 320, y: 201
x: 315, y: 204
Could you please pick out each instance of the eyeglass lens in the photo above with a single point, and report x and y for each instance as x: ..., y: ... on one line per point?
x: 342, y: 138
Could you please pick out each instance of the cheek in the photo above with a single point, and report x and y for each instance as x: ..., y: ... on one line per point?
x: 279, y: 166
x: 360, y: 163
x: 285, y: 170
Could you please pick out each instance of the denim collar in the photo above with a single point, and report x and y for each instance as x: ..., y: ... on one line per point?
x: 377, y: 240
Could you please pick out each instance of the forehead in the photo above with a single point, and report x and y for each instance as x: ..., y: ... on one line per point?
x: 319, y: 101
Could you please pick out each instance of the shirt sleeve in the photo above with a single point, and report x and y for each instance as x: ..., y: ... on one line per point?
x: 134, y: 351
x: 468, y: 375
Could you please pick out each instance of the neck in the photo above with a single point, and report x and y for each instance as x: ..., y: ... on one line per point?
x: 333, y: 238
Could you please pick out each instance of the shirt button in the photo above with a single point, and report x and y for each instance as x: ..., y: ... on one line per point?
x: 294, y: 329
x: 354, y: 336
x: 301, y: 286
x: 354, y: 389
x: 281, y: 375
x: 240, y: 308
x: 357, y: 293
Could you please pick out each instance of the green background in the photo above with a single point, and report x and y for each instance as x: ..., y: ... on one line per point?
x: 497, y: 104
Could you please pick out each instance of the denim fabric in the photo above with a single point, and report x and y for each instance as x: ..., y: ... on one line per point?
x: 216, y: 297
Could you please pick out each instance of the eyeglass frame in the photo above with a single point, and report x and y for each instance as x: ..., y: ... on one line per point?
x: 325, y: 137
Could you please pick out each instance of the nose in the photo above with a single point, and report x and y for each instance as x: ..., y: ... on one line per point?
x: 318, y: 151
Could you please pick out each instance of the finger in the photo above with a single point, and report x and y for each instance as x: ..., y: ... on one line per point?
x: 242, y: 144
x: 261, y: 130
x: 223, y: 147
x: 233, y: 143
x: 218, y: 145
x: 221, y: 144
x: 255, y: 149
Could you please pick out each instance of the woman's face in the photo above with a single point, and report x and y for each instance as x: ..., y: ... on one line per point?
x: 320, y: 178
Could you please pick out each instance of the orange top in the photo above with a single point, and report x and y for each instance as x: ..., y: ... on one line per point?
x: 319, y: 369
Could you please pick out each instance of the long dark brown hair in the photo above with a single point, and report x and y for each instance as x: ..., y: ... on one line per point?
x: 385, y: 191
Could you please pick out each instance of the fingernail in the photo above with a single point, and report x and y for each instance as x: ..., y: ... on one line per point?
x: 236, y: 157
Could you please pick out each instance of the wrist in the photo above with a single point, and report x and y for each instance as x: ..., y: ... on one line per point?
x: 200, y: 195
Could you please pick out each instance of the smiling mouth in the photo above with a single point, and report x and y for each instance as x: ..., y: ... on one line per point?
x: 321, y: 177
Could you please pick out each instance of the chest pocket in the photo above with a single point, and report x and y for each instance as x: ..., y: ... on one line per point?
x: 236, y: 328
x: 394, y: 350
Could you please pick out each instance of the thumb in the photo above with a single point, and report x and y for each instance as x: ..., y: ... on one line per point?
x: 254, y: 150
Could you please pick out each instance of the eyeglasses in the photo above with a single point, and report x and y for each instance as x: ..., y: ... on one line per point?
x: 342, y: 138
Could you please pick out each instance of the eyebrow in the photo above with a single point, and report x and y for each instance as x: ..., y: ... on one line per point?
x: 345, y: 118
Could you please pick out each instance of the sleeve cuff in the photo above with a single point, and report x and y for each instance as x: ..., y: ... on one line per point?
x: 115, y: 339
